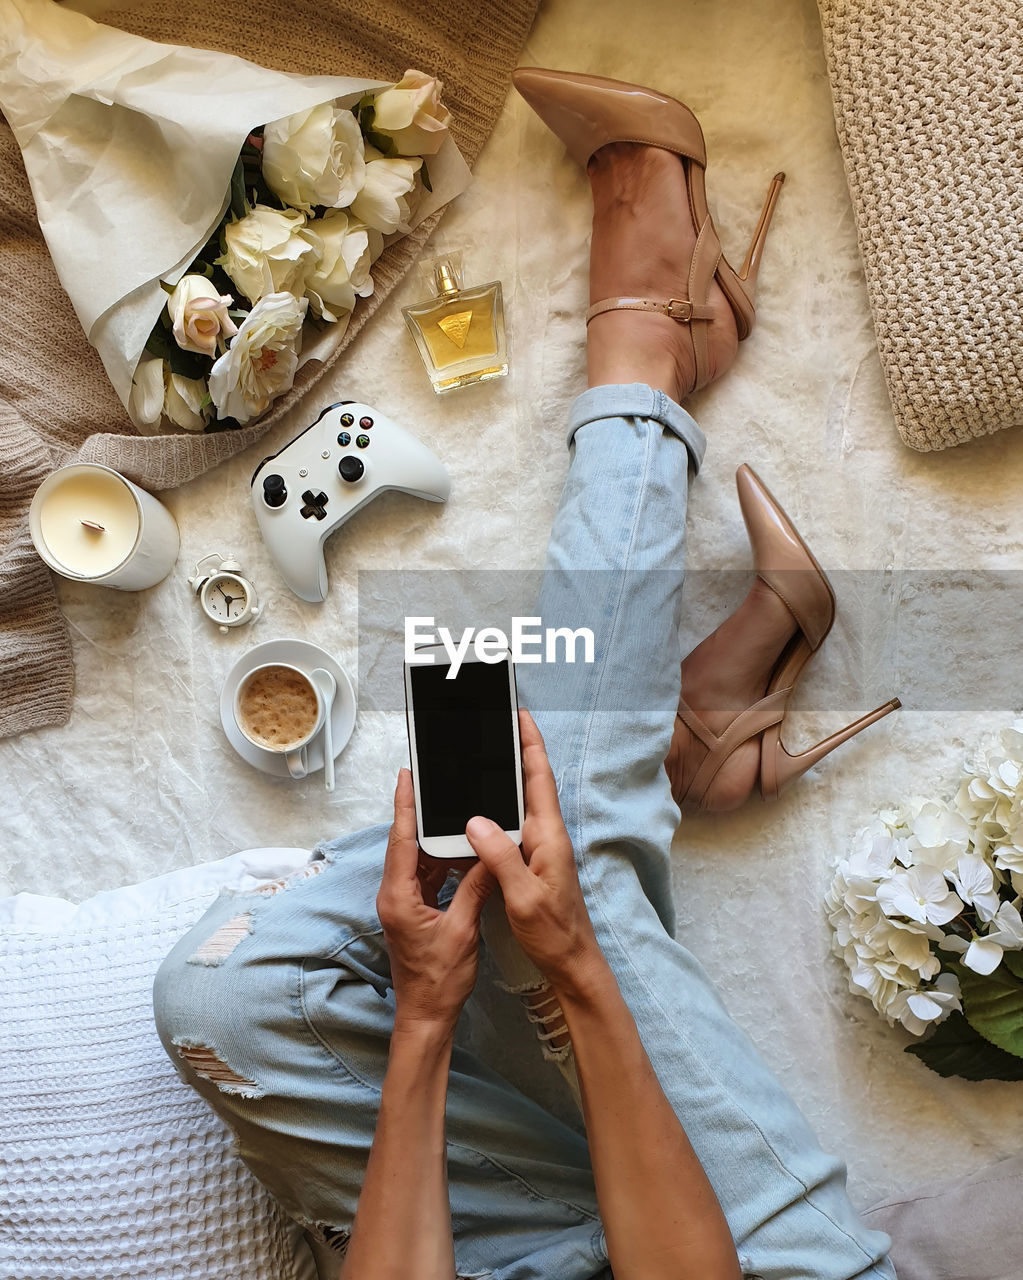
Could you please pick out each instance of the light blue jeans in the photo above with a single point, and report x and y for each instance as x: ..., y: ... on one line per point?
x: 277, y: 1007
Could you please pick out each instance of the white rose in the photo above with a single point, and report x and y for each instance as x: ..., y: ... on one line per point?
x: 198, y: 312
x: 345, y: 250
x: 412, y: 115
x: 183, y: 402
x: 388, y: 196
x: 315, y: 157
x: 267, y: 253
x: 145, y: 404
x: 261, y: 361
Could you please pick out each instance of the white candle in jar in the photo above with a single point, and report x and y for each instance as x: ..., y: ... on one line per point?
x: 91, y: 524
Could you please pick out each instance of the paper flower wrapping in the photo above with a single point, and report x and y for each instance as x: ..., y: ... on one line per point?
x: 211, y: 185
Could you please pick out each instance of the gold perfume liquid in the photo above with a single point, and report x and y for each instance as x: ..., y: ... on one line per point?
x: 459, y: 332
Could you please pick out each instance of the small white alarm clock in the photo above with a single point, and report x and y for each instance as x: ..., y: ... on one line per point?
x: 225, y: 596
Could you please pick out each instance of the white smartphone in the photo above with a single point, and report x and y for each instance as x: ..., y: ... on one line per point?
x: 464, y: 745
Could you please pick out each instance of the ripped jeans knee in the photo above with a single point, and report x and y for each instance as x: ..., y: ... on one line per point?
x: 210, y: 984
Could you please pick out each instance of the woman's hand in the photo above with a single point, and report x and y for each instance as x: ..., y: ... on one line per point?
x: 542, y: 897
x: 434, y: 954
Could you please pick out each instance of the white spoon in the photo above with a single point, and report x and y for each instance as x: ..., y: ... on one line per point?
x: 327, y: 686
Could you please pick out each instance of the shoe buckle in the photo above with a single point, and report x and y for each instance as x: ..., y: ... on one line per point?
x: 680, y: 309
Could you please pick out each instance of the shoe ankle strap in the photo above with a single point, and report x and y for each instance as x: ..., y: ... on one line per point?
x: 680, y: 309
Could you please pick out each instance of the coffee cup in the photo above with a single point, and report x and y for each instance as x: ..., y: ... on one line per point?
x: 278, y: 708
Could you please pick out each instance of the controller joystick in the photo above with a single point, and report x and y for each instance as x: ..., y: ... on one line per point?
x: 326, y: 474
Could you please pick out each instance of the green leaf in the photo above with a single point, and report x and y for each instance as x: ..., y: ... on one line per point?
x: 188, y: 364
x: 1013, y: 961
x: 365, y: 112
x: 383, y: 142
x: 239, y: 204
x: 994, y: 1006
x: 955, y: 1049
x: 222, y: 424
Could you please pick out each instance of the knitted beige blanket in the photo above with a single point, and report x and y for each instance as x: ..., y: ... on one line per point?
x: 928, y: 101
x: 55, y: 402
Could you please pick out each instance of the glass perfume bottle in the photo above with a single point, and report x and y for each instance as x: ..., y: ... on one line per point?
x: 459, y: 332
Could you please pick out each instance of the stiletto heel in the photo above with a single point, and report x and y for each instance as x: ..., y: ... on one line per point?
x: 778, y: 767
x: 751, y: 263
x: 589, y: 112
x: 785, y: 563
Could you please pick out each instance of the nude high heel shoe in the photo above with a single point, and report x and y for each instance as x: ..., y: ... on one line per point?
x: 587, y: 113
x: 785, y: 563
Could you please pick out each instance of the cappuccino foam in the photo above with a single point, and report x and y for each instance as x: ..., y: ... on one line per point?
x: 277, y: 708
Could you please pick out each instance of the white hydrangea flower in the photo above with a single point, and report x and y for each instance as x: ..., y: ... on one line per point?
x: 919, y: 893
x: 918, y: 1010
x: 1005, y: 933
x: 975, y: 883
x: 940, y: 836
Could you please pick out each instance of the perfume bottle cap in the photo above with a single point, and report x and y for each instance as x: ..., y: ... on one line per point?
x: 443, y: 274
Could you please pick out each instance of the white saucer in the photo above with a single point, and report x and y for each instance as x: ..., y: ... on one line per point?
x: 307, y: 657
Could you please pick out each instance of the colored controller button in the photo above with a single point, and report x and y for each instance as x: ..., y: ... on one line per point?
x: 351, y: 468
x: 362, y: 441
x: 365, y: 423
x: 274, y: 492
x: 347, y: 419
x: 344, y: 438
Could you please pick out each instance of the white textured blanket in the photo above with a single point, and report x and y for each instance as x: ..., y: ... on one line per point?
x: 142, y: 780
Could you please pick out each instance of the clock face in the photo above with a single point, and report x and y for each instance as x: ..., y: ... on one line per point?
x: 227, y: 599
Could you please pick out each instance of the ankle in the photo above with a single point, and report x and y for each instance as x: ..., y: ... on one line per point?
x: 629, y: 346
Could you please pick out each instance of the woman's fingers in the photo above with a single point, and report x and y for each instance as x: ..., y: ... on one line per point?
x: 497, y: 853
x: 473, y: 890
x: 402, y: 856
x: 541, y: 789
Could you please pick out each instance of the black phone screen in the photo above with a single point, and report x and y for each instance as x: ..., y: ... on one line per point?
x: 465, y: 746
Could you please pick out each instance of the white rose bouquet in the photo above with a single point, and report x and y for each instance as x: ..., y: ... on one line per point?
x: 214, y: 222
x: 926, y: 915
x: 312, y: 197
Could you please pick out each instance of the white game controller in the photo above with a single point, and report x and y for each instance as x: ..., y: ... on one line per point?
x: 349, y: 455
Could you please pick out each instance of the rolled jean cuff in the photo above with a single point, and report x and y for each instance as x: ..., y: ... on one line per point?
x: 637, y: 400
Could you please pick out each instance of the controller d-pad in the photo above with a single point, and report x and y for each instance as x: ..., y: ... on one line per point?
x: 315, y: 505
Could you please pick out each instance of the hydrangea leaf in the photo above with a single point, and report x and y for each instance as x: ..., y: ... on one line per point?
x: 956, y: 1049
x: 994, y: 1006
x: 1013, y: 961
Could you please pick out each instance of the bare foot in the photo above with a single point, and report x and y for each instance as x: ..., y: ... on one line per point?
x: 725, y: 674
x: 644, y: 236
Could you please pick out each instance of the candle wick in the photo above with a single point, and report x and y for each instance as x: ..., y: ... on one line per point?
x: 91, y: 524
